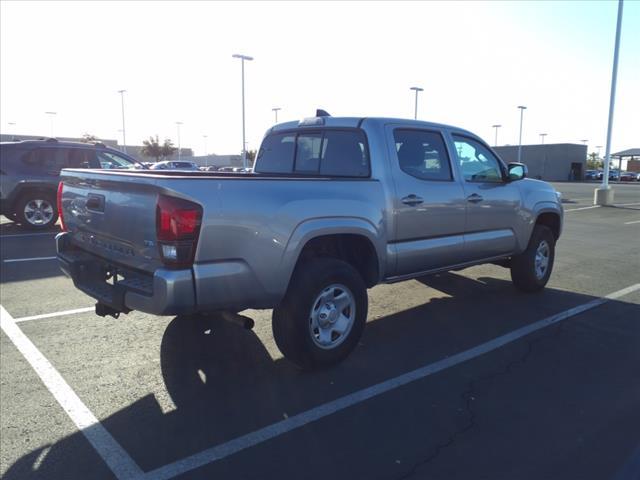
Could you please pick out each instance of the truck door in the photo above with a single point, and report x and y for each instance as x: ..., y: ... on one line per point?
x: 429, y: 205
x: 493, y: 203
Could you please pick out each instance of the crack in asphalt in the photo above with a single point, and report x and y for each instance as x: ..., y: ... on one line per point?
x: 468, y: 397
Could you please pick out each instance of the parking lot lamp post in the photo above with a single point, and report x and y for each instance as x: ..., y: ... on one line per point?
x: 124, y: 137
x: 604, y: 194
x: 244, y: 151
x: 496, y: 127
x: 179, y: 145
x: 542, y: 135
x: 275, y: 110
x: 51, y: 118
x: 206, y: 155
x: 522, y: 109
x: 416, y: 89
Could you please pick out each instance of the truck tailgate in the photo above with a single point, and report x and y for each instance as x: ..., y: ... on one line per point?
x: 113, y: 215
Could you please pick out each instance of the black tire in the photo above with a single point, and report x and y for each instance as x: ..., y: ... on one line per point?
x: 523, y: 266
x: 292, y: 319
x: 40, y: 220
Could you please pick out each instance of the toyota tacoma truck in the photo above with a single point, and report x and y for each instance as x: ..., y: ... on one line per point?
x: 333, y: 207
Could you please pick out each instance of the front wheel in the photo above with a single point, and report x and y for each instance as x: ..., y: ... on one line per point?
x: 530, y: 271
x: 323, y: 314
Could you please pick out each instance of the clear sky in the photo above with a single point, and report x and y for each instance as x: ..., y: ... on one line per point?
x: 476, y: 61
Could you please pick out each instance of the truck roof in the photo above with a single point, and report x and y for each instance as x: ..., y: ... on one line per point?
x: 355, y: 122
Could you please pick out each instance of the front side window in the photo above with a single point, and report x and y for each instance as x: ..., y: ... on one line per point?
x: 111, y: 160
x: 476, y: 161
x: 422, y: 154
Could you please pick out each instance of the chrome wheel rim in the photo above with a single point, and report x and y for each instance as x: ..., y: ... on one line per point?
x: 38, y: 212
x: 542, y: 259
x: 332, y: 316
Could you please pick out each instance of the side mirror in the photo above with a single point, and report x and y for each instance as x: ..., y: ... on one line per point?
x: 517, y: 171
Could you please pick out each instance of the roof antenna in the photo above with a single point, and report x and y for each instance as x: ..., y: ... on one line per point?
x: 322, y: 113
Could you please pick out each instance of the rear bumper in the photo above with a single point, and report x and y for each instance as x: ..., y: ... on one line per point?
x: 165, y: 292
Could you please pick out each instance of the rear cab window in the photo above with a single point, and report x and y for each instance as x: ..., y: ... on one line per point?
x: 325, y: 152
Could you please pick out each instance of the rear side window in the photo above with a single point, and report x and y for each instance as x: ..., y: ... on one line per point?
x: 422, y: 154
x: 81, y: 158
x: 46, y: 160
x: 341, y: 153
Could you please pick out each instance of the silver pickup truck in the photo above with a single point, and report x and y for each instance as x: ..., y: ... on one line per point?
x: 334, y: 206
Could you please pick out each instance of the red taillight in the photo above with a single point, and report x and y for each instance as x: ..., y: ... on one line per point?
x: 59, y: 205
x: 177, y: 225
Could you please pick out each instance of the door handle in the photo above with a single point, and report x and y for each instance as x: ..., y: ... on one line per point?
x: 412, y: 200
x: 475, y: 198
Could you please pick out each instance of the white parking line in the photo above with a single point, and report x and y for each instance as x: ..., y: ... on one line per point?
x: 292, y: 423
x: 54, y: 314
x: 120, y: 463
x: 33, y: 259
x: 631, y: 223
x: 123, y: 466
x: 582, y: 208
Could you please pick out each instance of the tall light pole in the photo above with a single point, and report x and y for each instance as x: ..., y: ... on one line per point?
x: 179, y: 145
x: 244, y: 151
x: 542, y: 135
x: 51, y: 118
x: 604, y: 195
x: 417, y: 89
x: 522, y: 109
x: 275, y: 110
x: 124, y: 137
x: 496, y: 127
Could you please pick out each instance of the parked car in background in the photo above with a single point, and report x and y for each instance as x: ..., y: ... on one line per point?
x: 175, y: 165
x: 614, y: 174
x: 211, y: 168
x: 629, y: 177
x: 592, y: 175
x: 29, y: 175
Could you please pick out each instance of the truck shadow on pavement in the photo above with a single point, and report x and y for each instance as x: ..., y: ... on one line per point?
x: 224, y: 384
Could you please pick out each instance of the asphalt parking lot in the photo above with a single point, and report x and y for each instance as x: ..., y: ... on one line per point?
x: 457, y: 376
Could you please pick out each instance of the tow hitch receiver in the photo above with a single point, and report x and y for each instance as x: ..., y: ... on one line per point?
x: 104, y: 310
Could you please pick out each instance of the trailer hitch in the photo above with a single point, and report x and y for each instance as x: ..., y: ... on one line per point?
x: 103, y: 310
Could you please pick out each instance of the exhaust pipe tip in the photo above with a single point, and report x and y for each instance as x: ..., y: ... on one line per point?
x: 240, y: 320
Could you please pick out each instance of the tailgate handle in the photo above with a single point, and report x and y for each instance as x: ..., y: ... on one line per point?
x: 95, y: 202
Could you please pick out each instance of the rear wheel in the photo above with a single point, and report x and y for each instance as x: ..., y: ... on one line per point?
x: 323, y: 314
x: 530, y: 271
x: 36, y: 210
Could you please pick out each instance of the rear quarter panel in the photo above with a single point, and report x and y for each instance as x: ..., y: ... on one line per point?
x: 264, y: 224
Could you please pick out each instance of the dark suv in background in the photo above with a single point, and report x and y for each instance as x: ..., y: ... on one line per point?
x: 29, y: 172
